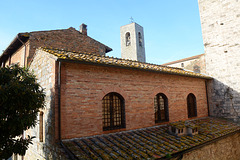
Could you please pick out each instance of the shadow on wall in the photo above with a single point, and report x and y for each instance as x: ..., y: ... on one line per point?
x: 224, y: 101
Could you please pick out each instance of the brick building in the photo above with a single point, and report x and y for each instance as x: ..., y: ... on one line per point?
x: 22, y: 48
x: 87, y: 86
x: 89, y: 94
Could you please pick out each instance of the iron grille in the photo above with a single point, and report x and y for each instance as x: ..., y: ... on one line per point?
x: 113, y: 111
x: 161, y: 108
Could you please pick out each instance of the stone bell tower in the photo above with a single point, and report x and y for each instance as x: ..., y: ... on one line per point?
x: 132, y: 42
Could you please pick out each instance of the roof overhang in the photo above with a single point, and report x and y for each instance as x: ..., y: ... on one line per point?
x: 14, y: 45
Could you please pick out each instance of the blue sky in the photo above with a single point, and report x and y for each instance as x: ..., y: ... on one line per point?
x: 172, y: 28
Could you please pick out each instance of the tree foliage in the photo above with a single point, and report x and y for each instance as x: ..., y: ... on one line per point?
x: 21, y: 98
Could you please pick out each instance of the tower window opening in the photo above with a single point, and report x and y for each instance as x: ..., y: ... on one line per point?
x: 140, y: 39
x: 128, y: 39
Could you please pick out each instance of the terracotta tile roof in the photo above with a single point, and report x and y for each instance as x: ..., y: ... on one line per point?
x: 106, y: 60
x: 147, y: 143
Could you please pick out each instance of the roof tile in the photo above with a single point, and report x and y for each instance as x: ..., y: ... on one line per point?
x: 106, y: 60
x: 148, y: 143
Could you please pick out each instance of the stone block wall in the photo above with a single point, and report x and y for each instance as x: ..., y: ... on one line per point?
x: 43, y: 66
x: 220, y: 20
x: 84, y: 86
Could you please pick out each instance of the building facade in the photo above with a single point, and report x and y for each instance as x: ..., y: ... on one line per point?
x: 89, y: 93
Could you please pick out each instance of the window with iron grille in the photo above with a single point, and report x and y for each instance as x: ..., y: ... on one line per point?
x: 161, y: 108
x: 191, y: 106
x: 113, y: 111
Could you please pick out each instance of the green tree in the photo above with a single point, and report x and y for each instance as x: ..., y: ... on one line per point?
x: 21, y: 98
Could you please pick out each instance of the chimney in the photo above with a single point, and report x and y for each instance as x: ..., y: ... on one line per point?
x: 83, y: 29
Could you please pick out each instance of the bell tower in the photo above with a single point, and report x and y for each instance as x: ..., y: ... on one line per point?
x: 132, y: 42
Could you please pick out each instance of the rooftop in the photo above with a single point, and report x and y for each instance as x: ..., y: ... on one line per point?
x: 184, y: 59
x: 148, y: 143
x: 110, y: 61
x: 22, y: 38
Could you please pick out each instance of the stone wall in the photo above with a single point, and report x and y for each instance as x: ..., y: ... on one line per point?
x: 224, y: 149
x: 43, y: 66
x: 84, y: 86
x: 220, y: 20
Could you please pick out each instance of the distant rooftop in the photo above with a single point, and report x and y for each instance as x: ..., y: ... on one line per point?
x: 184, y: 59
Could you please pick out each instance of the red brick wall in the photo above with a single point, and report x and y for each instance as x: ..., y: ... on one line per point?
x: 84, y: 86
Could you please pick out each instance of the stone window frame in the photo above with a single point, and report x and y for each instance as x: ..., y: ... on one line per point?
x: 161, y: 102
x: 113, y: 111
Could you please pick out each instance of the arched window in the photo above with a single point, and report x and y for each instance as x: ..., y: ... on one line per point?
x: 161, y: 108
x: 140, y: 39
x: 113, y: 111
x: 191, y: 105
x: 128, y: 39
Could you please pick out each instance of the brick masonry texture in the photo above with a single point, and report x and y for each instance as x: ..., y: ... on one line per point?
x: 84, y: 86
x: 220, y: 22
